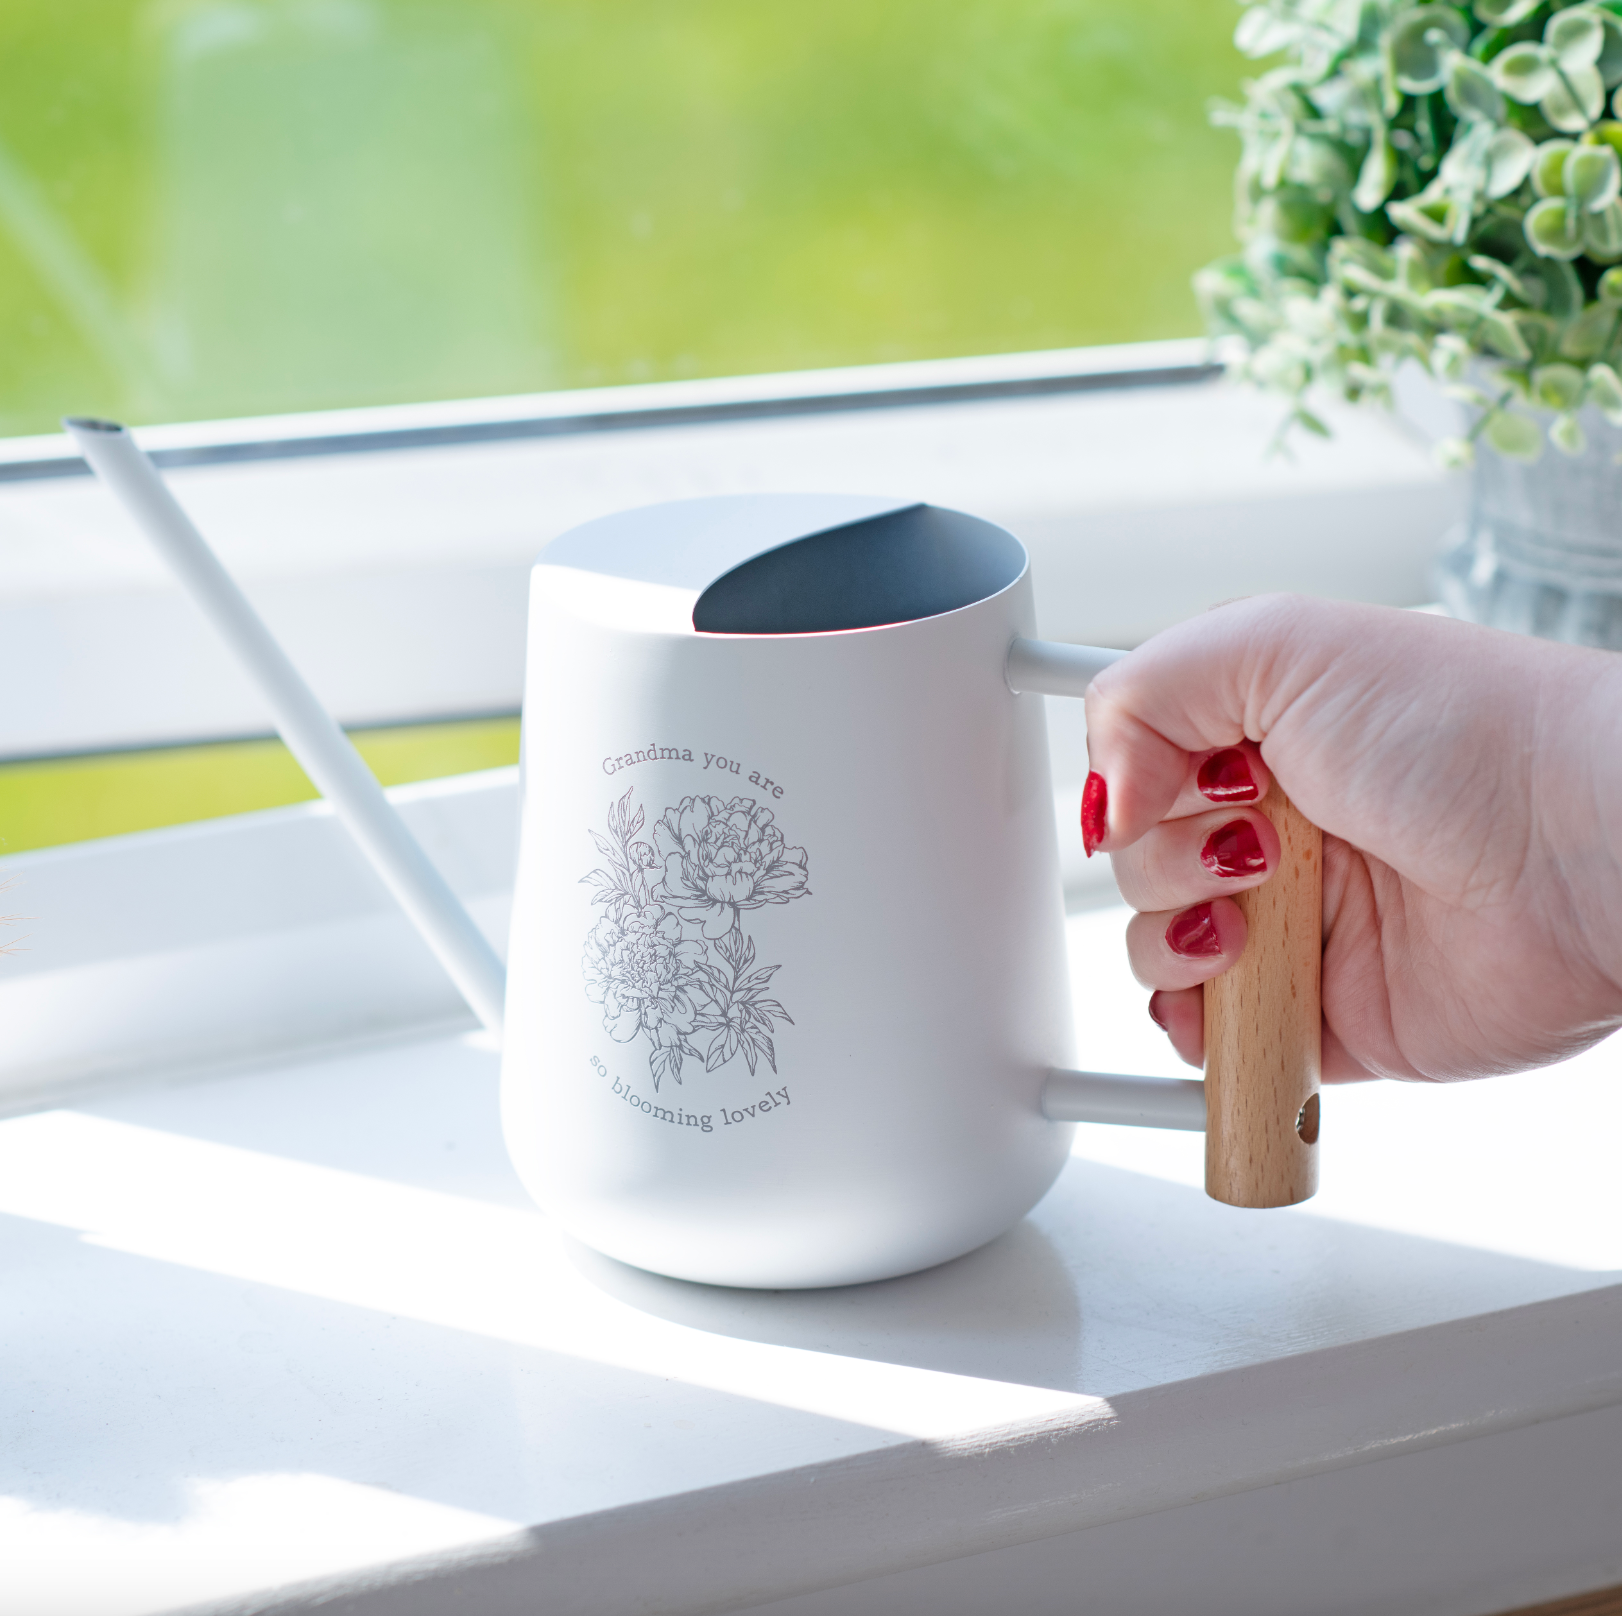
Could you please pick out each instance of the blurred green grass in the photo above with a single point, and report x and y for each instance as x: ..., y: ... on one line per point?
x: 232, y: 207
x: 55, y: 800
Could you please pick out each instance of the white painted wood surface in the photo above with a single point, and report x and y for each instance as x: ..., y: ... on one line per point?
x: 294, y: 1334
x: 238, y: 939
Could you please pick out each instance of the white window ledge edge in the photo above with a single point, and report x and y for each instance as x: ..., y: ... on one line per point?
x: 673, y: 403
x: 231, y: 943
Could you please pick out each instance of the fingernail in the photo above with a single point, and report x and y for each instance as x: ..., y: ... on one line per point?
x: 1094, y: 812
x: 1226, y: 777
x: 1193, y: 934
x: 1234, y: 849
x: 1154, y: 1013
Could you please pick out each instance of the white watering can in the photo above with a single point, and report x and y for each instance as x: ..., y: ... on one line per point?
x: 786, y: 1002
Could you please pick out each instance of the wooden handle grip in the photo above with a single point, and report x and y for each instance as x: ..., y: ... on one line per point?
x: 1263, y: 1022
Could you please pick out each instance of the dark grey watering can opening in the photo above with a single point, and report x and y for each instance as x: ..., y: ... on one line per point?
x: 894, y: 568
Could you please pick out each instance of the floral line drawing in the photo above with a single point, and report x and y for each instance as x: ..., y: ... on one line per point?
x: 669, y: 959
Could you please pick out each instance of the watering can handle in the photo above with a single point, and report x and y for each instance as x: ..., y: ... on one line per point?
x: 1263, y: 1017
x: 1263, y: 1031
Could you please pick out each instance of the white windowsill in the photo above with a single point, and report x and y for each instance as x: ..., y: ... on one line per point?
x: 297, y: 1341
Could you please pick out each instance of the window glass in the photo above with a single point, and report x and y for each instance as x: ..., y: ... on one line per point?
x: 47, y: 801
x: 233, y: 207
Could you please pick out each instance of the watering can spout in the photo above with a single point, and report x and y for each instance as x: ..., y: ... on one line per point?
x: 323, y: 750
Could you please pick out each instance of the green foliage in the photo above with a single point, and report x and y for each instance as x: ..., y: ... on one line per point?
x: 1437, y: 183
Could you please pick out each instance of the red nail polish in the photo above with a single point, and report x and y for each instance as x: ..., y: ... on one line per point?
x: 1094, y: 812
x: 1193, y: 934
x: 1226, y: 777
x: 1155, y: 1015
x: 1234, y: 849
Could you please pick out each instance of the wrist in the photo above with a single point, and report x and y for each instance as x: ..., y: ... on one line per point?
x: 1584, y: 809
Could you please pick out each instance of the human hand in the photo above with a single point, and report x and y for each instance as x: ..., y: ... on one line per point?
x: 1469, y: 785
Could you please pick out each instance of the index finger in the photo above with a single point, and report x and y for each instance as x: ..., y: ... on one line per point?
x: 1209, y: 685
x: 1220, y: 776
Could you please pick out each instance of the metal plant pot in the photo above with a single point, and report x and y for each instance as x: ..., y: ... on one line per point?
x: 1541, y: 549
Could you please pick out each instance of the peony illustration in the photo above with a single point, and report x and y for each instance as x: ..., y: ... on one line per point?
x: 721, y: 858
x: 668, y: 960
x: 648, y: 980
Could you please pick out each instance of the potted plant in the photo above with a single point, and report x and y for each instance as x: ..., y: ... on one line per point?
x: 1439, y: 184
